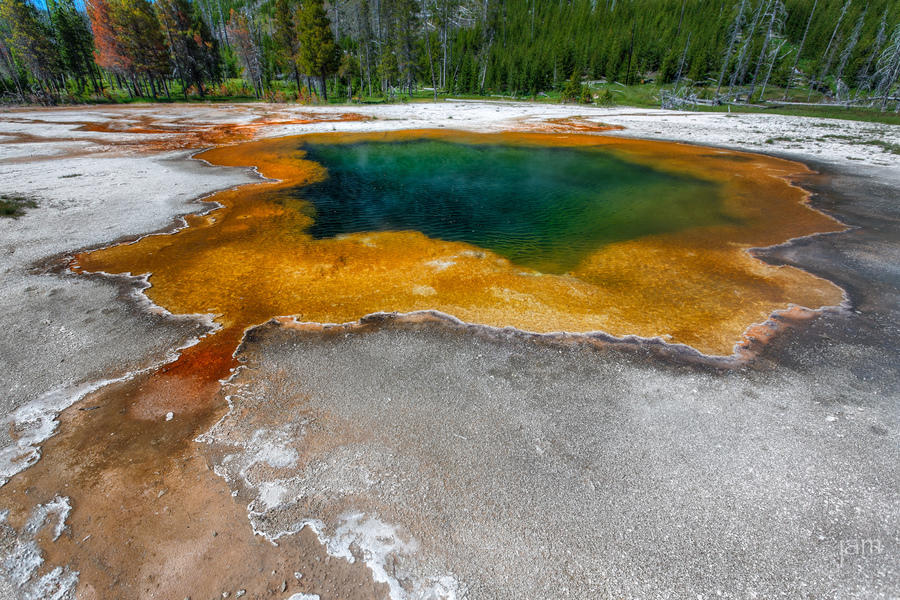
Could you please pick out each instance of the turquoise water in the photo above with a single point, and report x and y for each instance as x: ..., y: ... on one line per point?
x: 544, y: 208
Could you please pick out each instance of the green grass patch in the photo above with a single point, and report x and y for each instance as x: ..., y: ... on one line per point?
x: 889, y: 147
x: 14, y: 206
x: 780, y: 138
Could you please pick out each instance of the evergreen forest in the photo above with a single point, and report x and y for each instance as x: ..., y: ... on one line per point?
x: 690, y: 52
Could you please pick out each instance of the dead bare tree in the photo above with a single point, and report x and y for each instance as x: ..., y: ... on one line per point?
x: 680, y: 99
x: 775, y: 16
x: 827, y: 54
x: 736, y: 29
x: 740, y: 69
x: 888, y: 70
x: 774, y: 58
x: 687, y: 45
x: 790, y: 80
x: 864, y: 77
x: 849, y: 47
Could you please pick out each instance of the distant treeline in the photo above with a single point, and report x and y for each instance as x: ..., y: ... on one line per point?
x: 295, y: 49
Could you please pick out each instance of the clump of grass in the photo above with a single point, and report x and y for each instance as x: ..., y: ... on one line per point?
x: 888, y: 147
x: 14, y: 206
x: 780, y: 138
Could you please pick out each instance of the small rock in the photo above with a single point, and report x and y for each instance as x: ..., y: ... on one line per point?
x: 169, y: 416
x: 240, y: 593
x: 283, y: 586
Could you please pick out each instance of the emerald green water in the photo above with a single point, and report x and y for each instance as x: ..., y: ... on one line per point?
x: 544, y: 208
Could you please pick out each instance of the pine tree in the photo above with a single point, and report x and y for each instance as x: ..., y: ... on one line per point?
x: 286, y: 38
x: 406, y: 24
x: 319, y: 54
x: 30, y: 39
x: 75, y: 41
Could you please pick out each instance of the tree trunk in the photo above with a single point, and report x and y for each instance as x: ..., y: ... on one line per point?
x: 738, y: 25
x: 863, y: 79
x: 297, y: 79
x: 827, y: 64
x: 740, y: 70
x: 680, y: 19
x: 772, y: 11
x: 769, y: 72
x: 98, y: 89
x: 630, y: 53
x: 799, y: 50
x: 687, y: 45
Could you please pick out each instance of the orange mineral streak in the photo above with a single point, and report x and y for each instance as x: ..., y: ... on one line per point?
x: 152, y: 133
x: 172, y: 136
x: 567, y: 125
x: 252, y: 260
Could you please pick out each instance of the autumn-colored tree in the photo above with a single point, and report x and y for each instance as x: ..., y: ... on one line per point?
x: 109, y: 52
x: 195, y: 53
x: 244, y: 37
x: 140, y: 35
x: 319, y: 55
x: 129, y: 41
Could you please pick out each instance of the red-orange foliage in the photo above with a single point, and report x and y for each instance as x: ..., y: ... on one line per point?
x: 108, y: 51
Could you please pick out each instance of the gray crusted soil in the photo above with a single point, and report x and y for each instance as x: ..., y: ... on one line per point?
x: 532, y: 470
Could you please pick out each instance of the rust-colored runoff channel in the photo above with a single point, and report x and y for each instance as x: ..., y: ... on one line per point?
x: 150, y: 520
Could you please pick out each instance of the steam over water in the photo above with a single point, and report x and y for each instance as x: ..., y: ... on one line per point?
x: 544, y: 208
